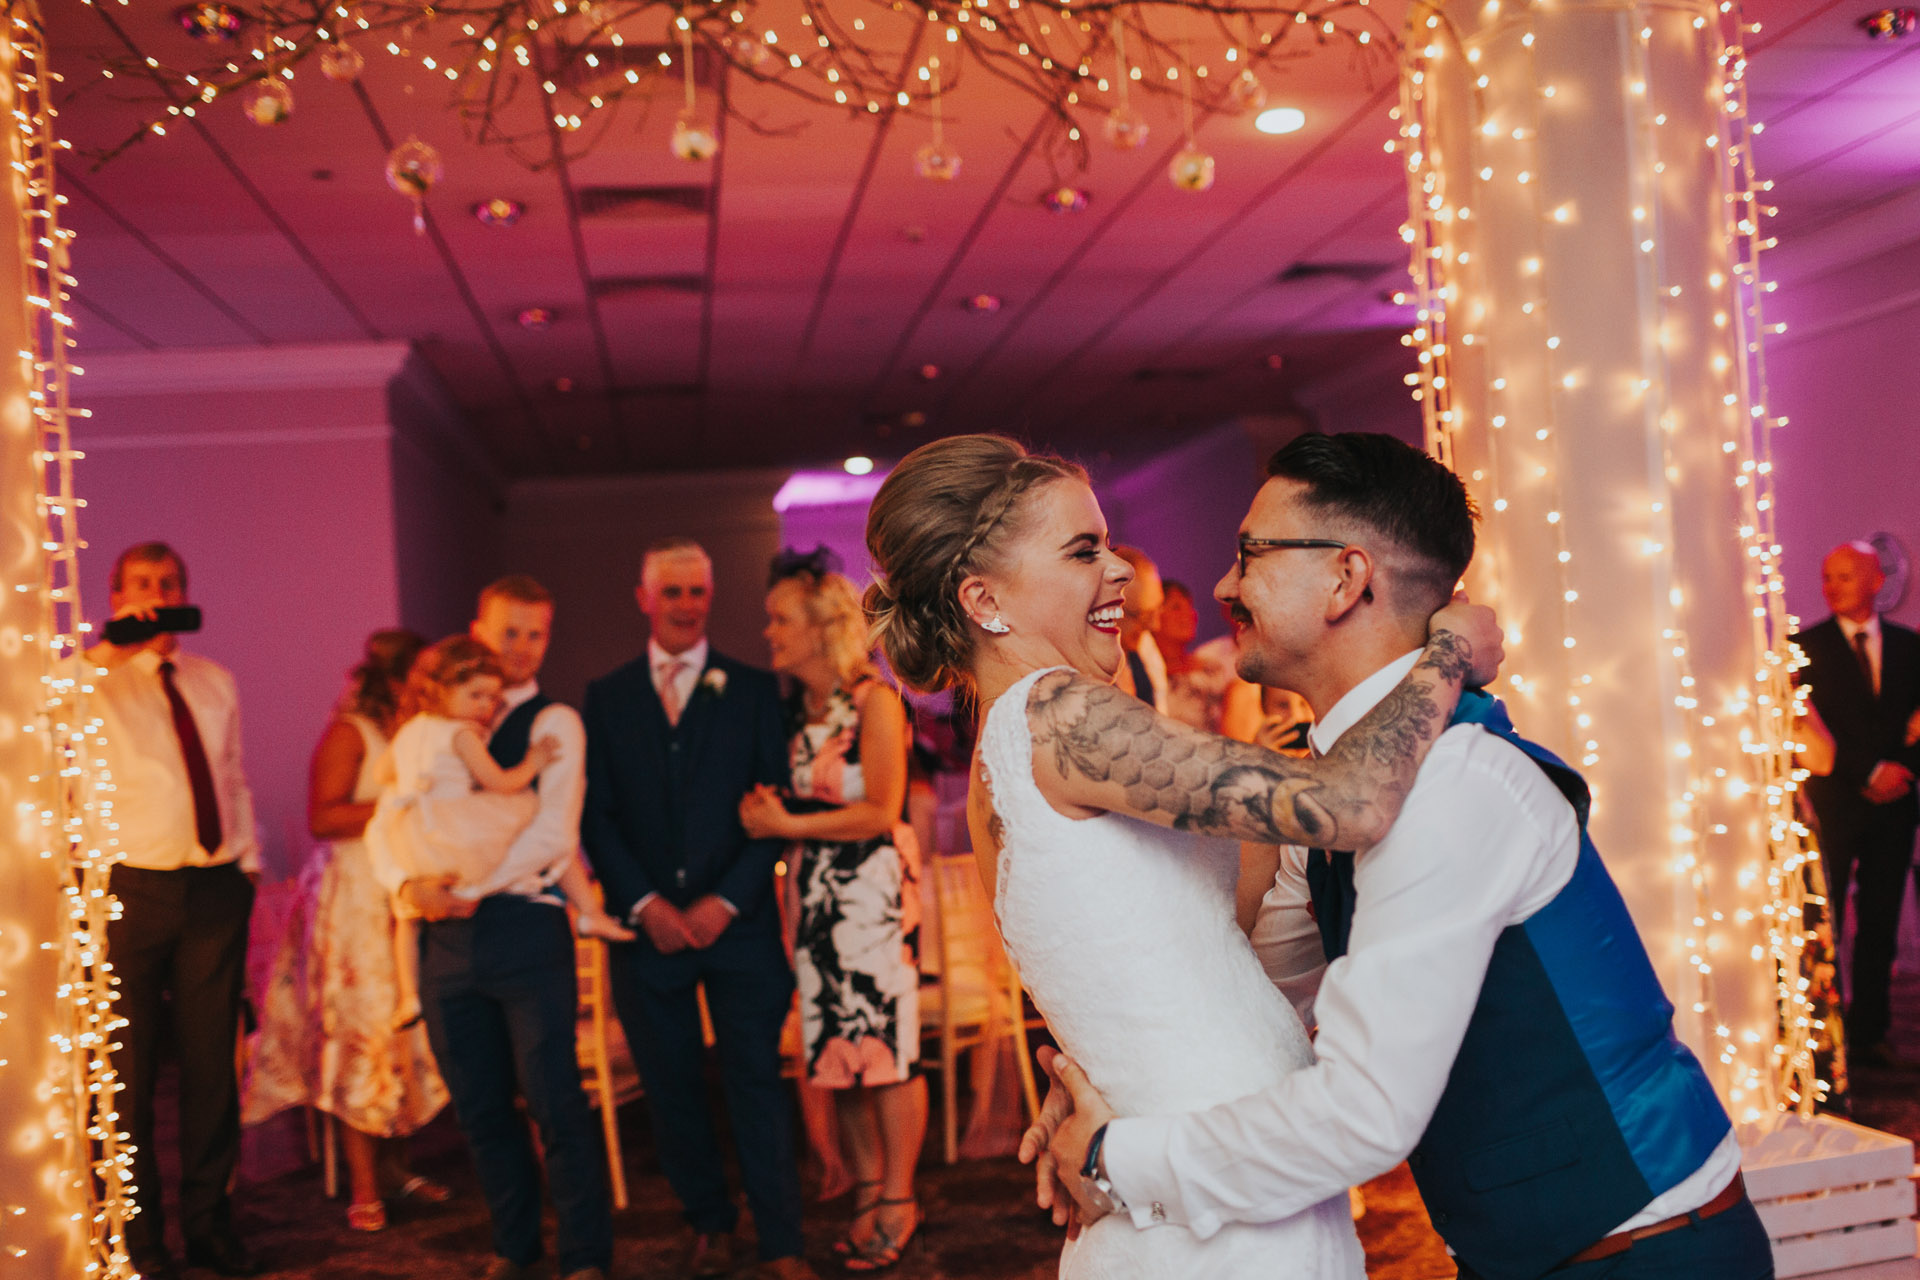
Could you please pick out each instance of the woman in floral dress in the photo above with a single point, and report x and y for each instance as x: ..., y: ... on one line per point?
x: 326, y: 1039
x: 855, y: 865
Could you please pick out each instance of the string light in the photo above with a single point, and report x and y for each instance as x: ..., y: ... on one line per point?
x: 75, y: 807
x: 1723, y: 755
x: 598, y: 52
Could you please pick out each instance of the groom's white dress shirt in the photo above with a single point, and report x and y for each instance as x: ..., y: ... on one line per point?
x: 1484, y: 841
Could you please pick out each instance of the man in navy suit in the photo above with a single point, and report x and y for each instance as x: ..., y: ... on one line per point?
x: 674, y: 739
x: 1865, y: 678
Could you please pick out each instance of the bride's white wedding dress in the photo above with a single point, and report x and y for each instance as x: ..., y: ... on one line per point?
x: 1124, y: 933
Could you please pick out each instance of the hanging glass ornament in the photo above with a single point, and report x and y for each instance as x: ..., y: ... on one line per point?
x: 1192, y: 169
x: 1064, y: 199
x: 694, y: 139
x: 210, y: 22
x: 341, y: 61
x: 412, y: 170
x: 1125, y: 129
x: 269, y: 101
x: 748, y: 52
x: 1248, y: 93
x: 937, y: 161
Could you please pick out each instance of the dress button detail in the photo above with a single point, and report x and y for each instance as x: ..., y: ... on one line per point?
x: 1159, y: 1212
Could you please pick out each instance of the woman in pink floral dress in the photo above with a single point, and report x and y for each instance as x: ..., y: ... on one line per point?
x: 326, y: 1036
x: 856, y: 956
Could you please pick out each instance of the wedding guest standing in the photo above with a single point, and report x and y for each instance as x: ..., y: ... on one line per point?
x: 674, y: 739
x: 326, y: 1039
x: 497, y: 983
x: 857, y: 951
x: 1865, y: 677
x: 170, y: 727
x: 1143, y: 673
x: 1198, y: 680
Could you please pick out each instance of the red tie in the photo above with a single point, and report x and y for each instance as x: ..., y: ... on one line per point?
x: 1865, y: 656
x: 206, y: 808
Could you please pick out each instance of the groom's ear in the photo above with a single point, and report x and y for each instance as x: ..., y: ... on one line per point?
x: 1354, y: 585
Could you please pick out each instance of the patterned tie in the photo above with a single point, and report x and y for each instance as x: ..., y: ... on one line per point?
x: 206, y: 808
x: 670, y: 689
x: 1865, y: 658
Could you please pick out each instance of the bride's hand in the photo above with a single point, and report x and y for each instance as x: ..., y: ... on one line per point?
x: 1478, y: 631
x: 1049, y: 1191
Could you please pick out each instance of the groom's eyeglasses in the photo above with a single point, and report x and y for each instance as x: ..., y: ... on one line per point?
x: 1251, y: 547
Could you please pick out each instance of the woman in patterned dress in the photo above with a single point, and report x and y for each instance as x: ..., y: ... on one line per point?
x: 855, y: 865
x: 326, y: 1039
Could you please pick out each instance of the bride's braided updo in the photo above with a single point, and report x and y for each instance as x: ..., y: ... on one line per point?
x: 940, y: 516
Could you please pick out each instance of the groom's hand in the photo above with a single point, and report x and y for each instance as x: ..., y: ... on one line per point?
x: 1480, y: 634
x: 1050, y: 1191
x: 1075, y: 1134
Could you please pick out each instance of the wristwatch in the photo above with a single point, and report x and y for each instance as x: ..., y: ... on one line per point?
x: 1093, y: 1177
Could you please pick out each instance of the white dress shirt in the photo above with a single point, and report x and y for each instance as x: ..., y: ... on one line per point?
x: 1484, y: 841
x: 152, y: 821
x: 1849, y: 628
x: 539, y: 855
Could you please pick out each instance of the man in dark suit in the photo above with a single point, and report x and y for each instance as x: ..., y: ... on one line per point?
x: 1864, y: 674
x: 674, y: 739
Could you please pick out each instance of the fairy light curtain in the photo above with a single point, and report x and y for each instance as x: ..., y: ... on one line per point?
x: 1585, y: 232
x: 64, y: 1189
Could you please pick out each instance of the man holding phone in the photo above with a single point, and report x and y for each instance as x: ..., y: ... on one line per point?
x: 170, y: 721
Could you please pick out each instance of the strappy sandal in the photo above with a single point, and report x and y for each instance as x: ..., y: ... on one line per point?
x: 883, y: 1252
x: 424, y: 1189
x: 846, y: 1246
x: 370, y: 1216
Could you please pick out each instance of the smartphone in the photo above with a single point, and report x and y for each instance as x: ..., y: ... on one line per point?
x: 132, y: 630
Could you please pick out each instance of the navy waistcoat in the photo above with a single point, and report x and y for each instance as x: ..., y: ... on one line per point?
x: 1571, y: 1104
x: 509, y: 743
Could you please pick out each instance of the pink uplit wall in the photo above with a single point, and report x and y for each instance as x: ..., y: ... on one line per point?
x: 583, y: 538
x: 274, y: 473
x: 1844, y: 375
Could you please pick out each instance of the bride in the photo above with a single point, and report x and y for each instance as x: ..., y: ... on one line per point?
x: 1106, y: 834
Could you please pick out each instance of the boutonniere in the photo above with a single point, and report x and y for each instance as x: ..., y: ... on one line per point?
x: 714, y: 681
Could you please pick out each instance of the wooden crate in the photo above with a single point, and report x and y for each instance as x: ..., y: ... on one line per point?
x: 1832, y: 1194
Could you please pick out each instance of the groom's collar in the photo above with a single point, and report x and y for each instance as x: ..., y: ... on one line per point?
x: 1359, y: 700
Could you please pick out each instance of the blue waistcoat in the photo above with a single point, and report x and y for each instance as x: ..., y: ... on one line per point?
x: 510, y: 741
x: 1571, y: 1104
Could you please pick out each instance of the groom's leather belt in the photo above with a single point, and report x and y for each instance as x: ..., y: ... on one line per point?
x: 1621, y: 1241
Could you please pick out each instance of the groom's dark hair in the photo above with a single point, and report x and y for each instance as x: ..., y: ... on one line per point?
x: 1392, y: 489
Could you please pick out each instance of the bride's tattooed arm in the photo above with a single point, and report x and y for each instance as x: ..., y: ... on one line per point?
x: 1107, y: 750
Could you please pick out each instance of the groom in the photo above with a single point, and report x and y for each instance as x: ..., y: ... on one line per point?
x: 1486, y: 1010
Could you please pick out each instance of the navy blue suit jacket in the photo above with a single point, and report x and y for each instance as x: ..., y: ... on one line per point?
x: 662, y: 812
x: 1866, y: 729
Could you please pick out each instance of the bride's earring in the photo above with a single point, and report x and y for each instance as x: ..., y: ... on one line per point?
x: 995, y: 626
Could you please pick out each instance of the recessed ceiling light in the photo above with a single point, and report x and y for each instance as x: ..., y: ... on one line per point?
x: 1280, y: 120
x: 983, y: 303
x: 563, y: 385
x: 858, y: 466
x: 928, y: 372
x: 498, y: 212
x: 536, y: 319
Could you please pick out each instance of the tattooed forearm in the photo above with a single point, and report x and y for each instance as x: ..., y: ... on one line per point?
x: 1450, y: 656
x: 1138, y: 762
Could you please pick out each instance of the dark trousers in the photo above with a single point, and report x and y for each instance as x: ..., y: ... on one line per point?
x: 1728, y: 1246
x: 499, y: 996
x: 1871, y: 847
x: 179, y: 950
x: 749, y: 989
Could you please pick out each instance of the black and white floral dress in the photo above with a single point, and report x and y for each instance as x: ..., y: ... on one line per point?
x: 857, y: 953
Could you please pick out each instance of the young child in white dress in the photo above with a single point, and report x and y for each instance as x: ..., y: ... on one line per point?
x: 448, y: 810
